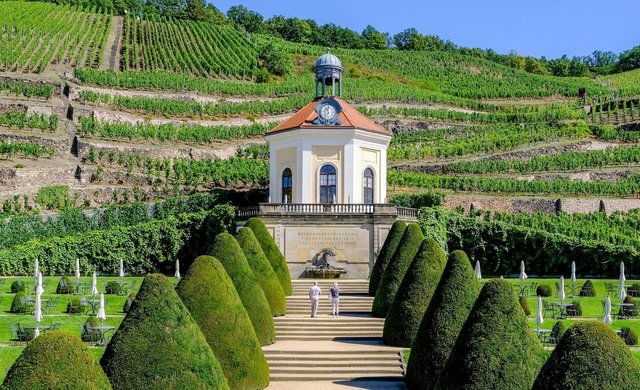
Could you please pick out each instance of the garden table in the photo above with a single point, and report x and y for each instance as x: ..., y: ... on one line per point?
x: 94, y: 305
x: 623, y: 309
x: 103, y: 329
x: 562, y: 306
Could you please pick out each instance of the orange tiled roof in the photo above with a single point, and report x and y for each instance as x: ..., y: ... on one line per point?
x: 350, y: 118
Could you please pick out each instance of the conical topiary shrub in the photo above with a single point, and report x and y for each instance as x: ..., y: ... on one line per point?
x: 384, y: 256
x: 272, y: 252
x: 496, y: 348
x: 414, y: 295
x: 395, y: 270
x: 226, y: 249
x: 159, y: 345
x: 56, y: 360
x: 447, y: 312
x: 209, y: 294
x: 589, y: 356
x: 262, y: 271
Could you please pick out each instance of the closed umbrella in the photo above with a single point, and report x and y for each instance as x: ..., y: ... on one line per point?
x: 523, y: 275
x: 477, y: 270
x: 77, y: 269
x: 177, y: 275
x: 101, y: 314
x: 573, y: 272
x: 35, y: 269
x: 622, y: 278
x: 94, y: 285
x: 121, y: 273
x: 539, y: 318
x: 39, y: 289
x: 607, y: 312
x: 37, y: 315
x: 561, y: 295
x: 622, y: 294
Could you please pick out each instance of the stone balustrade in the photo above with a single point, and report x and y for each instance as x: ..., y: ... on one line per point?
x: 327, y: 209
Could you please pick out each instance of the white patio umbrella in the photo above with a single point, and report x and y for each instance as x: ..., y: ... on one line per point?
x: 35, y: 269
x: 177, y: 274
x: 622, y: 278
x: 561, y: 295
x: 622, y: 294
x: 523, y: 275
x: 37, y: 315
x: 539, y: 318
x: 101, y: 314
x: 573, y: 272
x: 477, y: 270
x: 607, y: 312
x: 77, y: 268
x: 39, y: 289
x: 94, y: 285
x: 121, y: 273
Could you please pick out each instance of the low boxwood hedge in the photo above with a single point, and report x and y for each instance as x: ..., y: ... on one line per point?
x: 159, y: 346
x: 449, y: 308
x: 18, y: 304
x: 396, y: 269
x: 384, y: 256
x: 589, y: 356
x: 588, y: 289
x: 496, y: 348
x: 65, y: 286
x: 544, y: 290
x: 413, y: 297
x: 17, y: 286
x: 272, y: 252
x: 113, y: 287
x: 56, y: 360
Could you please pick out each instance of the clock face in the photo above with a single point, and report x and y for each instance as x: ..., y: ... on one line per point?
x: 327, y: 112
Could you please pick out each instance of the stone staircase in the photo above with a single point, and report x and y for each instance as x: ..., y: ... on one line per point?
x: 325, y: 352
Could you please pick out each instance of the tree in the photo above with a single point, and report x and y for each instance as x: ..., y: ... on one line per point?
x: 209, y: 294
x: 374, y: 39
x: 384, y: 256
x: 272, y: 252
x: 406, y: 40
x: 578, y: 68
x: 275, y: 59
x: 515, y: 60
x: 159, y: 345
x: 589, y: 356
x: 56, y: 360
x: 532, y: 65
x: 262, y: 271
x: 250, y: 21
x: 226, y: 249
x: 559, y: 66
x: 413, y: 297
x: 629, y: 60
x: 447, y: 312
x: 496, y: 348
x: 395, y: 271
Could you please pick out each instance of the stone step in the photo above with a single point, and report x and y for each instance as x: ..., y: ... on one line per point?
x: 361, y: 358
x: 269, y: 351
x: 371, y: 369
x: 330, y: 332
x: 312, y: 337
x: 341, y: 327
x: 333, y: 377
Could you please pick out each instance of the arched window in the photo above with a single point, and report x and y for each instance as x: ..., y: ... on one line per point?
x: 327, y: 184
x: 368, y: 186
x: 287, y: 186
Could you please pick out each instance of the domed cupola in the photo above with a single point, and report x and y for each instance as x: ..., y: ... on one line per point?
x: 328, y: 72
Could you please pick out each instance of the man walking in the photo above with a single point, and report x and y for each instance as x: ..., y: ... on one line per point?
x: 314, y: 296
x: 334, y: 295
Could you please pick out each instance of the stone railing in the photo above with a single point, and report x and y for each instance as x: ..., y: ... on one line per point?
x: 318, y: 208
x: 405, y: 212
x: 247, y: 212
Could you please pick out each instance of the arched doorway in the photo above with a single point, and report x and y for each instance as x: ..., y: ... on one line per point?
x: 287, y: 186
x: 328, y: 184
x: 368, y: 186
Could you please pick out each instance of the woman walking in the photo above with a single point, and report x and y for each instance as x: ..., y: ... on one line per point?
x: 334, y: 295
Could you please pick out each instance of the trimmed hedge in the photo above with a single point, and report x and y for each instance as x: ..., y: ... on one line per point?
x: 65, y: 286
x: 76, y: 303
x: 525, y: 305
x: 17, y: 306
x: 544, y: 290
x: 159, y: 345
x: 56, y: 360
x: 128, y: 302
x: 588, y: 289
x: 147, y: 247
x: 384, y: 256
x: 90, y: 335
x: 226, y: 249
x: 262, y: 271
x: 629, y: 335
x: 449, y: 308
x: 414, y: 295
x: 208, y: 292
x: 394, y: 272
x: 496, y: 348
x: 589, y: 356
x: 277, y: 260
x: 558, y: 330
x: 17, y: 286
x: 113, y: 287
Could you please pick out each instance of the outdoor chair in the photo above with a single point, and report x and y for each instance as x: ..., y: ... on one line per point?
x: 52, y: 304
x: 55, y: 326
x: 129, y: 289
x: 611, y: 290
x: 548, y: 310
x: 15, y: 332
x: 87, y: 334
x: 571, y: 312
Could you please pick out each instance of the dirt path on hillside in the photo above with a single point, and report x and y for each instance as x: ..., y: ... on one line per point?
x: 529, y: 101
x: 111, y: 55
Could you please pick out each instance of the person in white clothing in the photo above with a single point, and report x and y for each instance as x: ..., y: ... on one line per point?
x: 314, y: 296
x: 334, y: 295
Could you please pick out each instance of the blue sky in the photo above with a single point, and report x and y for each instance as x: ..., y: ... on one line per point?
x: 530, y: 27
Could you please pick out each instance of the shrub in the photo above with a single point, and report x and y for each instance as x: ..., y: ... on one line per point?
x: 226, y: 249
x: 65, y: 286
x: 128, y: 302
x: 384, y: 256
x: 629, y: 335
x: 576, y: 309
x: 588, y: 289
x: 394, y: 272
x: 56, y: 360
x: 525, y: 305
x: 544, y: 290
x: 53, y: 197
x: 558, y: 330
x: 634, y: 291
x: 449, y: 308
x: 18, y: 306
x: 496, y: 348
x: 414, y: 295
x: 208, y: 292
x: 158, y: 345
x: 90, y: 335
x: 272, y: 252
x: 631, y: 310
x: 113, y: 287
x: 74, y: 305
x: 262, y: 271
x: 18, y: 286
x: 589, y: 356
